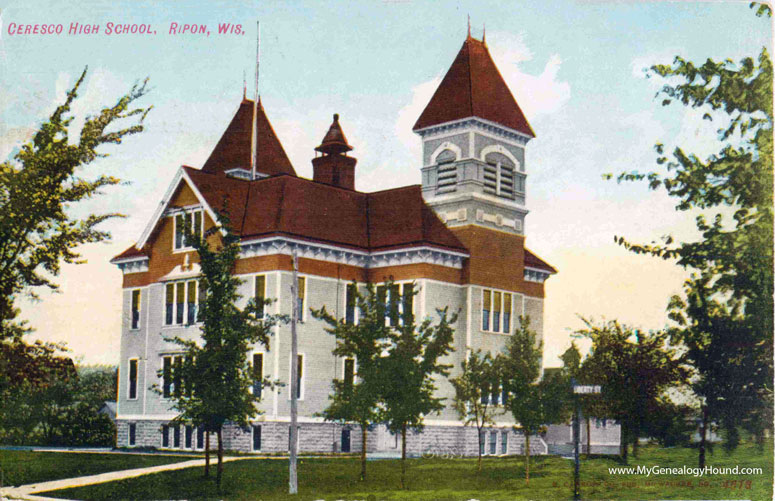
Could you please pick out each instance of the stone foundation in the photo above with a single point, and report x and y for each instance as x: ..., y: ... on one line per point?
x: 434, y: 441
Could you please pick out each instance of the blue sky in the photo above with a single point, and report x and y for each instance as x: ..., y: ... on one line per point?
x: 574, y: 67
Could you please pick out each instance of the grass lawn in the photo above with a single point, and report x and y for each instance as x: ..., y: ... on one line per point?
x: 27, y: 467
x: 454, y: 479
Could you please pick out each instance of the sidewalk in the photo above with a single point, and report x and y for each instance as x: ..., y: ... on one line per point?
x: 27, y: 492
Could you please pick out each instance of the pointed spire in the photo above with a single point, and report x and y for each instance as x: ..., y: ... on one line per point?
x: 334, y: 141
x: 244, y: 86
x: 469, y: 26
x: 484, y: 33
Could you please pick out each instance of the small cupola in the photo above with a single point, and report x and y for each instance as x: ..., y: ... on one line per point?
x: 333, y: 166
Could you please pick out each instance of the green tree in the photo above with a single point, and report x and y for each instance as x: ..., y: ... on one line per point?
x: 635, y: 369
x: 215, y: 375
x: 410, y: 365
x: 39, y: 185
x: 479, y: 374
x: 357, y: 400
x: 725, y: 317
x: 534, y: 403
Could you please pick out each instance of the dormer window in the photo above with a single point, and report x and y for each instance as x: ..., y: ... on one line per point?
x: 195, y: 221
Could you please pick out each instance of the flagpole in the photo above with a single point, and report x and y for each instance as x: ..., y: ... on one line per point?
x: 254, y: 136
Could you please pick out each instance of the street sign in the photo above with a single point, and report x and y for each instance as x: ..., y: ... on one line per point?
x: 586, y: 389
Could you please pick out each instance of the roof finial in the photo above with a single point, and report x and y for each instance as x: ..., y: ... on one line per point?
x: 244, y: 86
x: 484, y: 33
x: 469, y: 26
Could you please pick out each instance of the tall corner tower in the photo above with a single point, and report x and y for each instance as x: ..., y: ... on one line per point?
x: 474, y: 136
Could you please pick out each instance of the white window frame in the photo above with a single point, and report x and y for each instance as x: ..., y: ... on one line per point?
x: 255, y: 279
x: 193, y: 210
x: 504, y: 443
x: 357, y: 313
x: 176, y: 284
x: 491, y: 322
x: 263, y: 363
x: 139, y: 309
x: 173, y: 357
x: 129, y: 378
x: 303, y: 374
x: 303, y: 315
x: 355, y: 368
x: 400, y: 285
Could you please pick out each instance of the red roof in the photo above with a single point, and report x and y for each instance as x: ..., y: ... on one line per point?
x: 473, y: 87
x: 297, y: 207
x: 131, y: 252
x: 533, y: 261
x: 233, y: 149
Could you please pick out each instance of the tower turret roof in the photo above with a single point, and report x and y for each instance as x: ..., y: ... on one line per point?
x: 473, y: 87
x: 334, y: 140
x: 233, y: 149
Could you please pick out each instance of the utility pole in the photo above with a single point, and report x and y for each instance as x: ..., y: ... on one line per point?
x: 293, y: 487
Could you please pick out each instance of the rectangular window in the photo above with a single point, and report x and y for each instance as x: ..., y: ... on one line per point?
x: 350, y: 304
x: 486, y: 394
x: 189, y: 437
x: 191, y: 306
x: 493, y: 442
x: 504, y: 394
x: 256, y: 437
x: 495, y: 394
x: 194, y: 221
x: 201, y: 298
x: 259, y: 293
x: 486, y: 300
x: 166, y: 384
x: 482, y: 442
x: 382, y: 302
x: 136, y: 309
x: 176, y: 436
x: 165, y: 435
x: 301, y: 290
x: 407, y: 303
x: 299, y: 375
x: 170, y: 307
x: 349, y: 372
x: 132, y: 434
x: 504, y: 442
x: 180, y: 295
x: 506, y: 312
x: 133, y: 378
x: 172, y: 376
x: 177, y: 376
x: 258, y: 374
x: 496, y: 312
x: 182, y: 302
x: 394, y: 300
x: 200, y: 437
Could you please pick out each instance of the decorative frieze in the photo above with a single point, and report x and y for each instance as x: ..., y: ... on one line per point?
x: 352, y: 257
x: 536, y: 275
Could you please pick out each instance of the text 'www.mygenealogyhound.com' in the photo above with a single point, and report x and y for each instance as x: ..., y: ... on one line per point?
x: 683, y: 470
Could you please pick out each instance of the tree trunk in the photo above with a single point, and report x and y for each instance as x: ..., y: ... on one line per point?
x: 403, y: 456
x: 479, y: 451
x: 589, y: 440
x: 703, y: 435
x: 635, y: 441
x: 220, y: 457
x: 207, y: 454
x: 527, y: 457
x: 364, y: 431
x: 624, y: 442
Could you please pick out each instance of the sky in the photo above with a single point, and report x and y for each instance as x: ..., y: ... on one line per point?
x: 575, y: 68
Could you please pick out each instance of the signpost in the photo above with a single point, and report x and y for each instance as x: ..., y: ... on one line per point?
x: 579, y: 389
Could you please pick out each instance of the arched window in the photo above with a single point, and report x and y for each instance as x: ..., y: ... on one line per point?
x: 500, y: 176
